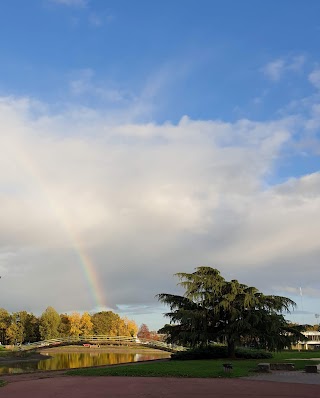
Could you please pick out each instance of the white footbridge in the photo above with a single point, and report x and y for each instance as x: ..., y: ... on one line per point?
x: 101, y: 340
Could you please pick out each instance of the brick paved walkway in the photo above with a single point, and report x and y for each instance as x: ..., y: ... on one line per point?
x: 143, y: 387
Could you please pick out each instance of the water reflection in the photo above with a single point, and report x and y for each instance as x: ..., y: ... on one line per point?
x: 69, y: 360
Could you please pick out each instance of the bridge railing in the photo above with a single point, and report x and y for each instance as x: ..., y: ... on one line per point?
x: 100, y: 339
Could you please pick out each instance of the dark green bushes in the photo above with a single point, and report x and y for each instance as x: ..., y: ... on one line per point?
x: 220, y: 351
x: 211, y: 352
x: 251, y: 353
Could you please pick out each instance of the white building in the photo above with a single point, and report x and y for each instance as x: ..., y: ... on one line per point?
x: 312, y: 341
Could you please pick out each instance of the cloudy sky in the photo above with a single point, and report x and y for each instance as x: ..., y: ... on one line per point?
x: 143, y: 138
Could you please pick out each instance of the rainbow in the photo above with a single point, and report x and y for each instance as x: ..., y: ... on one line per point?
x: 90, y: 274
x: 85, y: 262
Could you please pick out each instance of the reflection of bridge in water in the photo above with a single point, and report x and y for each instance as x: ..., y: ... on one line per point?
x: 101, y: 340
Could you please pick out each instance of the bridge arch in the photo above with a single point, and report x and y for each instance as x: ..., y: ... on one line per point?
x: 98, y: 340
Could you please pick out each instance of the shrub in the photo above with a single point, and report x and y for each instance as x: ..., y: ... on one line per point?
x: 251, y: 353
x: 220, y: 351
x: 210, y: 352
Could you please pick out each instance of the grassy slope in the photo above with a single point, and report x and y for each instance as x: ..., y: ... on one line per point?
x: 199, y: 368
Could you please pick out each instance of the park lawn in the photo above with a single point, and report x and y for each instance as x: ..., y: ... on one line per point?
x: 198, y: 368
x: 289, y: 355
x: 300, y: 359
x: 4, y: 353
x: 16, y: 354
x: 190, y: 368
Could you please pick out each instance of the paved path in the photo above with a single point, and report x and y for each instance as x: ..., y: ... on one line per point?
x: 153, y: 387
x: 287, y: 377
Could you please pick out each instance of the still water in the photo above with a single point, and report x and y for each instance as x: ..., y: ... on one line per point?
x: 68, y: 360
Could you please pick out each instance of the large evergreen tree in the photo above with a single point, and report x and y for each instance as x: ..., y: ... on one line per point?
x: 213, y: 309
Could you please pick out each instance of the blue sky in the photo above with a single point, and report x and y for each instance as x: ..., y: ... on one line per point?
x: 155, y: 136
x: 208, y: 56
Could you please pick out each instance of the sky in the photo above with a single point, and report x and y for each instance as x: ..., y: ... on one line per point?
x: 143, y: 138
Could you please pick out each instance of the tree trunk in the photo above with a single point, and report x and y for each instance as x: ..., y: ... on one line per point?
x: 231, y: 348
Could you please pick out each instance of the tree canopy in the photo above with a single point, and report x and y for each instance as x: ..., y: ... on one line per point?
x: 20, y: 327
x: 49, y: 324
x: 215, y: 310
x: 144, y: 332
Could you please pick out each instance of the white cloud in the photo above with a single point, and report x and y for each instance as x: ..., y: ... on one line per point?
x: 296, y: 63
x: 83, y: 84
x: 144, y: 201
x: 314, y: 78
x: 277, y: 68
x: 274, y: 70
x: 95, y: 20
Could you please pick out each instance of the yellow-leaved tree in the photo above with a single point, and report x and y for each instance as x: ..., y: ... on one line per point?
x: 131, y: 327
x: 86, y: 324
x: 75, y: 321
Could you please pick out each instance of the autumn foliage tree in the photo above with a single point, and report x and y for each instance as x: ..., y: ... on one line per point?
x: 105, y: 323
x: 86, y: 325
x: 144, y: 332
x: 131, y: 328
x: 31, y: 328
x: 15, y: 332
x: 64, y: 327
x: 49, y: 324
x: 22, y: 326
x: 75, y: 324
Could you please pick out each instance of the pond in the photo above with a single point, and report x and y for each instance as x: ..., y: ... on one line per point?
x: 69, y: 360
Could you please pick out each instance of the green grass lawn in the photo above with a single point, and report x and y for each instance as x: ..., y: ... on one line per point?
x: 4, y: 353
x: 198, y: 368
x: 288, y: 355
x: 16, y: 354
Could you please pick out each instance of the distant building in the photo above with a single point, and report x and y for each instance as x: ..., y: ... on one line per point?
x: 312, y: 341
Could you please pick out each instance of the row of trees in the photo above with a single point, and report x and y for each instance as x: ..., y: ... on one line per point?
x: 22, y: 326
x: 215, y: 310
